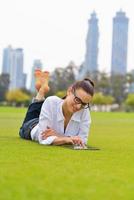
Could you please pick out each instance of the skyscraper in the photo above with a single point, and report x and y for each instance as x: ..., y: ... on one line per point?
x: 36, y: 65
x: 16, y: 71
x: 7, y: 60
x: 90, y: 64
x: 119, y: 44
x: 13, y: 65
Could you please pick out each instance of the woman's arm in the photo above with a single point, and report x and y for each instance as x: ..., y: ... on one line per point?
x: 62, y: 140
x: 57, y: 138
x: 85, y: 126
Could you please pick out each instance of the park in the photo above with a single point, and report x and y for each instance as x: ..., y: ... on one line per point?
x: 32, y: 171
x: 78, y: 57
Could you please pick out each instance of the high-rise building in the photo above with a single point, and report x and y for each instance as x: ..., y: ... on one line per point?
x: 7, y: 60
x: 16, y: 72
x: 119, y: 44
x: 36, y: 65
x: 91, y: 57
x: 90, y: 64
x: 13, y: 65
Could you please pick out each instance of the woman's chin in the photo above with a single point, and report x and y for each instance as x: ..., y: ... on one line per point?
x: 74, y: 110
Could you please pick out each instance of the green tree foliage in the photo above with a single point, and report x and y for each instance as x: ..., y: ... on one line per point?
x: 100, y: 99
x: 108, y: 100
x: 115, y: 87
x: 102, y: 82
x: 17, y: 97
x: 130, y: 100
x: 118, y: 87
x: 129, y: 103
x: 62, y: 78
x: 4, y: 84
x: 61, y: 94
x: 130, y: 77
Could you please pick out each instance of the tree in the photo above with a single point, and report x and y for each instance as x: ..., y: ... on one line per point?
x: 130, y: 77
x: 4, y: 84
x: 62, y: 78
x: 108, y: 100
x: 98, y: 99
x: 61, y: 94
x: 118, y: 87
x: 17, y: 97
x: 101, y: 81
x: 129, y: 102
x: 102, y: 101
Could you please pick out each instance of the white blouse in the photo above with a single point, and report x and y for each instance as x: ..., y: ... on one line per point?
x: 52, y: 116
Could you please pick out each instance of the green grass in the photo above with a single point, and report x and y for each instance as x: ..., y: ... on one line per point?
x: 32, y: 171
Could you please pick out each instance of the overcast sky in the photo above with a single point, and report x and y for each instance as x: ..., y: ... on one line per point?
x: 55, y: 30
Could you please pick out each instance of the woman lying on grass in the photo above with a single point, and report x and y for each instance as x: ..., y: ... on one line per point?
x: 59, y: 121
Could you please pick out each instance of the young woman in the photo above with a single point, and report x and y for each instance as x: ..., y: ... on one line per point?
x: 59, y: 121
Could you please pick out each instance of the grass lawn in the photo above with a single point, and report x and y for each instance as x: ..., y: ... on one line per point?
x: 31, y: 171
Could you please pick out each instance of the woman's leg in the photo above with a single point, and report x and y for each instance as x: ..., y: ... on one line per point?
x: 33, y: 112
x: 41, y: 84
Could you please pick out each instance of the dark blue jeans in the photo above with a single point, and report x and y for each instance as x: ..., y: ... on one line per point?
x: 31, y: 119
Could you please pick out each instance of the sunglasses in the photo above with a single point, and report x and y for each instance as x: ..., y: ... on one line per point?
x: 77, y: 100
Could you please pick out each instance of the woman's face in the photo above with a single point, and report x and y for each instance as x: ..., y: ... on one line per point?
x: 77, y: 100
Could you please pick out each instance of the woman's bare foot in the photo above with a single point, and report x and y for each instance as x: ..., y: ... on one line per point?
x: 41, y: 83
x: 44, y: 81
x: 37, y: 75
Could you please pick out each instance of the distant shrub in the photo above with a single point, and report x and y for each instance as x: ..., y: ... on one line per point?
x: 17, y: 97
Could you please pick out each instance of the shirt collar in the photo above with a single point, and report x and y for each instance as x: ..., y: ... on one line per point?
x: 76, y: 116
x: 60, y: 115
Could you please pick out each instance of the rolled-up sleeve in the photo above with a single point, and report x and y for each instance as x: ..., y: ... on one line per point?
x: 45, y: 121
x: 85, y: 126
x: 48, y: 141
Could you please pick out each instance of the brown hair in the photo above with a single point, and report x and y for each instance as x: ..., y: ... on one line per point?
x: 86, y: 84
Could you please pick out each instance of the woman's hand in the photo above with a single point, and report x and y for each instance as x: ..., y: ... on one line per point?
x: 48, y: 132
x: 77, y: 140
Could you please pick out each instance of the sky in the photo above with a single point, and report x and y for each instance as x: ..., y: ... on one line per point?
x: 55, y: 30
